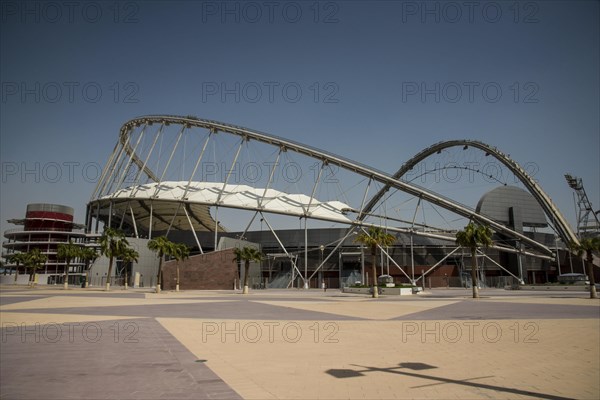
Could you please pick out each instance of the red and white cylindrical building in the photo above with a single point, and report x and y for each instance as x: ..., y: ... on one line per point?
x: 45, y: 226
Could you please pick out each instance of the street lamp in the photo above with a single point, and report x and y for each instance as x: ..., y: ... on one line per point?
x: 322, y: 248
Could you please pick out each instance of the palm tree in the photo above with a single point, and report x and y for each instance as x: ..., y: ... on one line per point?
x: 88, y: 255
x: 472, y: 237
x: 112, y: 243
x: 34, y: 261
x: 17, y: 258
x: 588, y: 246
x: 247, y: 254
x: 180, y: 252
x: 129, y: 255
x: 162, y: 247
x: 68, y: 252
x: 374, y: 238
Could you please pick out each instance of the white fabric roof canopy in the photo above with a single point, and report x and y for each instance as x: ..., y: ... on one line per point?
x: 168, y: 201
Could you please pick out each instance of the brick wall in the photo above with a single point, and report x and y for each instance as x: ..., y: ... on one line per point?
x: 438, y: 277
x: 216, y: 270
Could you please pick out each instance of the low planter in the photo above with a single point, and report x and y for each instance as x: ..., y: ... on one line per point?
x: 395, y: 291
x: 557, y: 288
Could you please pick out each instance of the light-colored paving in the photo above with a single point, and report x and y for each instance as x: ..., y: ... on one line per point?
x: 575, y: 301
x: 366, y: 308
x: 365, y: 352
x: 349, y: 359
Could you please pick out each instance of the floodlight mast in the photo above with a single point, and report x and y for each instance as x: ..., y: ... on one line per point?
x: 587, y: 219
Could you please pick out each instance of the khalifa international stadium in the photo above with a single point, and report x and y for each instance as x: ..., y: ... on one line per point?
x: 215, y: 186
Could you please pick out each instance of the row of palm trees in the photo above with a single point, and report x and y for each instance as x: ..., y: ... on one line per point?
x: 70, y: 252
x: 32, y: 260
x: 164, y: 247
x: 475, y: 236
x: 114, y: 244
x: 472, y: 237
x: 247, y: 255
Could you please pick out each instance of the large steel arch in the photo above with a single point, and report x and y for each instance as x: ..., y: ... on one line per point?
x: 561, y: 225
x: 372, y: 174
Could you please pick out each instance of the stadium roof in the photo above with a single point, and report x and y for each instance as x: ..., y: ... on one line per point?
x: 171, y: 201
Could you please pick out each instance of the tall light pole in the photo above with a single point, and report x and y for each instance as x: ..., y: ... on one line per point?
x: 557, y: 256
x: 322, y: 248
x: 412, y: 259
x: 362, y: 264
x: 520, y: 262
x: 305, y: 254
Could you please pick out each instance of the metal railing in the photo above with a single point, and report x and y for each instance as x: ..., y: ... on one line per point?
x: 50, y: 230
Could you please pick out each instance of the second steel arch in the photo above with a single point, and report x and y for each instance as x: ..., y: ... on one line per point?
x: 543, y: 199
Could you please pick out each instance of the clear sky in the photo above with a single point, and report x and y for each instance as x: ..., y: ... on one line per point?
x: 378, y: 82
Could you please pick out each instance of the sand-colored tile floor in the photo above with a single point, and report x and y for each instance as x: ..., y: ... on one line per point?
x: 311, y: 345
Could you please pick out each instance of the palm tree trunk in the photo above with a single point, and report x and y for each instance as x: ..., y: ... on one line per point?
x: 66, y: 282
x: 374, y: 271
x: 177, y: 285
x: 16, y: 273
x: 474, y: 273
x: 246, y: 268
x: 110, y: 265
x: 126, y: 278
x: 590, y: 272
x: 158, y: 280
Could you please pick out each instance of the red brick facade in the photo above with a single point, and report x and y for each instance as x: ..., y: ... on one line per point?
x: 439, y: 277
x: 216, y: 270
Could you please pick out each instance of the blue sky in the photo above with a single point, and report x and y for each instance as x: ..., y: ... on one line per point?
x: 73, y: 73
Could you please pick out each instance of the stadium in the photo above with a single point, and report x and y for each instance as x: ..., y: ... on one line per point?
x: 215, y: 186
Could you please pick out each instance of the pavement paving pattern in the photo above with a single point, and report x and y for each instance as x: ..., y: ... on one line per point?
x: 290, y: 344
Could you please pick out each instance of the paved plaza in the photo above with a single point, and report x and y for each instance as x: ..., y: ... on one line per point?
x: 294, y: 344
